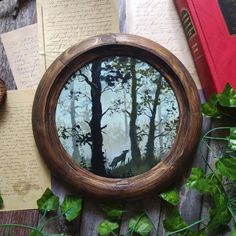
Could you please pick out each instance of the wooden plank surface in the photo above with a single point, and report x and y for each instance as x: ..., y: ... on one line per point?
x: 190, y: 206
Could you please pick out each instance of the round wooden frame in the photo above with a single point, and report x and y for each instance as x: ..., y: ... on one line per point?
x: 161, y: 176
x: 2, y: 91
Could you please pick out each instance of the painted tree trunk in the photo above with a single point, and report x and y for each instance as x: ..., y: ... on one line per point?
x: 75, y: 154
x: 98, y: 160
x: 152, y: 127
x: 135, y: 151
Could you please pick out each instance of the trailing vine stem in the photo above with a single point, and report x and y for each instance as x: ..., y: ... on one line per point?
x: 215, y: 138
x: 39, y: 229
x: 132, y: 231
x: 205, y: 136
x: 153, y: 225
x: 187, y: 227
x: 21, y: 226
x: 214, y: 129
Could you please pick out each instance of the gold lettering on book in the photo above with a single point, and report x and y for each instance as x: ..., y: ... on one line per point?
x: 189, y: 29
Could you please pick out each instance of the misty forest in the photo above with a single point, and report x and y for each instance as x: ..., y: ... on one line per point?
x: 117, y: 117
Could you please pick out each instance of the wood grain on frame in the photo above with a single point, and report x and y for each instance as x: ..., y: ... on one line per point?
x: 2, y: 91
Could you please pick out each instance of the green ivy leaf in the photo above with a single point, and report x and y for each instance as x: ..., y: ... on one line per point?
x: 220, y: 105
x: 196, y: 174
x: 113, y: 211
x: 174, y: 224
x: 140, y: 224
x: 219, y: 213
x: 71, y: 207
x: 196, y: 233
x: 57, y: 235
x: 1, y: 202
x: 232, y: 144
x: 219, y: 216
x: 233, y: 232
x: 232, y: 139
x: 35, y: 233
x: 212, y: 184
x: 228, y: 97
x: 215, y: 178
x: 196, y: 180
x: 210, y: 108
x: 106, y: 227
x: 233, y: 133
x: 48, y: 201
x: 174, y: 221
x: 171, y: 197
x: 227, y: 166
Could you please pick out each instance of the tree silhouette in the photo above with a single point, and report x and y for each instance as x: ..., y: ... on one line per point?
x: 152, y: 126
x: 69, y: 131
x: 135, y: 151
x: 74, y: 132
x: 97, y: 160
x: 94, y: 138
x: 156, y: 98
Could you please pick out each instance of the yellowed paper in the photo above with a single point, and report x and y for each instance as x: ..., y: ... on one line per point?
x: 158, y: 20
x: 23, y: 175
x: 22, y: 49
x: 64, y: 23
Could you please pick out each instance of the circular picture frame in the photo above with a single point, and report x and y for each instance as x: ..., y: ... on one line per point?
x: 2, y: 92
x: 162, y: 175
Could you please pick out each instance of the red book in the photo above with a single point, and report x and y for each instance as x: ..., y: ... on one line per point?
x: 210, y: 28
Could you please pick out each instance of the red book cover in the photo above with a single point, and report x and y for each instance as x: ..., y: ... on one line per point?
x: 210, y: 28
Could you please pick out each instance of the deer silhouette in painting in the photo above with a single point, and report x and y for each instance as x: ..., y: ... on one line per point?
x: 120, y: 158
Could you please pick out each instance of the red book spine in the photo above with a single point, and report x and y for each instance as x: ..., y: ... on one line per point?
x: 197, y: 44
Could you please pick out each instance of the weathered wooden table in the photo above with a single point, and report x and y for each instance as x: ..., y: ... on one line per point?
x: 191, y: 205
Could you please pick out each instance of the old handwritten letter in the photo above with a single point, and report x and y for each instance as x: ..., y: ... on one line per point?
x: 64, y: 23
x: 158, y: 20
x: 22, y: 49
x: 24, y: 177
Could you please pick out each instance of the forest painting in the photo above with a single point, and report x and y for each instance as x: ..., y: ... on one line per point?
x: 117, y: 117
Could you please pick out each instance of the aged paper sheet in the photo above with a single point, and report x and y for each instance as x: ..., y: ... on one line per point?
x: 24, y: 177
x: 64, y: 23
x: 158, y: 20
x: 22, y: 49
